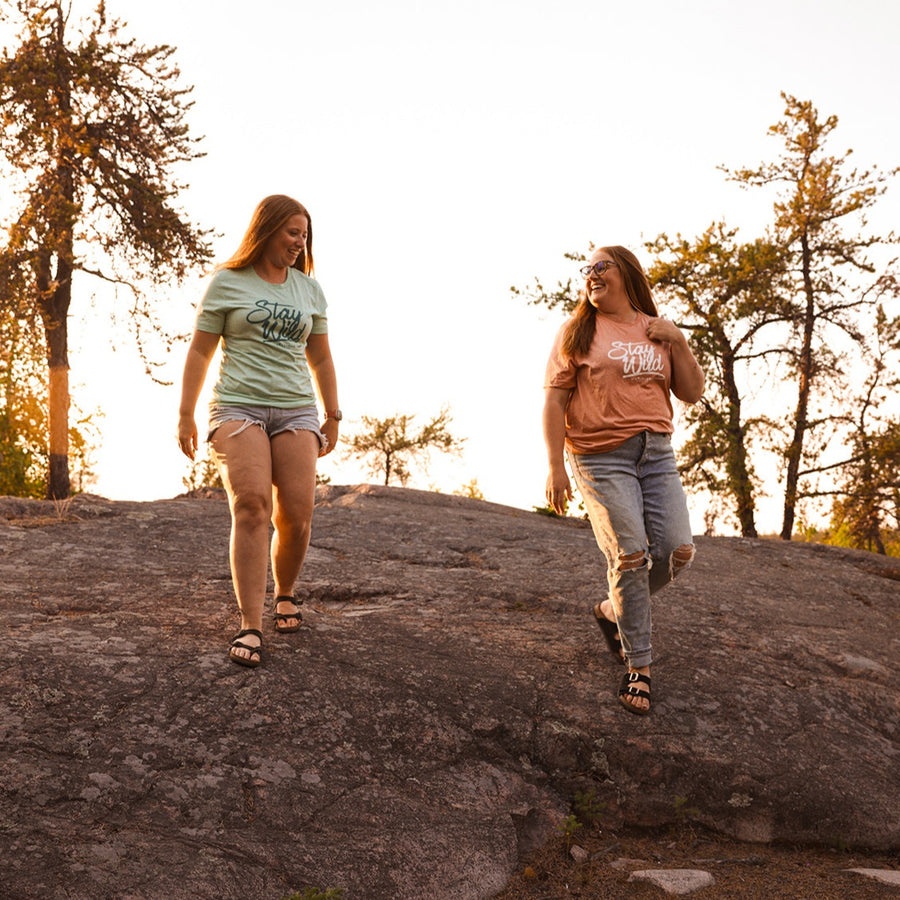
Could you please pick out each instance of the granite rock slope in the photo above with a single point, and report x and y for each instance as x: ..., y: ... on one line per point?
x: 432, y: 721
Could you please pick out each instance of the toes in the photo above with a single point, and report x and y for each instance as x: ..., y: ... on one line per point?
x: 245, y: 653
x: 639, y: 704
x: 294, y: 614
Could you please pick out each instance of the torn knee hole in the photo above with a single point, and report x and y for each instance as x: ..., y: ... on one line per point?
x: 629, y: 561
x: 683, y: 556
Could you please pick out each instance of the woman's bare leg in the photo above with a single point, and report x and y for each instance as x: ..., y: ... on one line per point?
x: 245, y: 464
x: 294, y: 455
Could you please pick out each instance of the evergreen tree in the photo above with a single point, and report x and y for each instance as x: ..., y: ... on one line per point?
x: 819, y: 205
x: 867, y: 504
x: 727, y: 294
x: 391, y: 444
x: 92, y: 124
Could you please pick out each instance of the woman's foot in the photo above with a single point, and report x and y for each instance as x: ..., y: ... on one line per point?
x: 634, y: 693
x: 246, y: 648
x: 606, y: 619
x: 287, y: 614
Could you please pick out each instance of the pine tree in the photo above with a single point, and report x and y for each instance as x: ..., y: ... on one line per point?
x: 727, y: 294
x: 392, y: 445
x: 819, y: 205
x: 92, y: 123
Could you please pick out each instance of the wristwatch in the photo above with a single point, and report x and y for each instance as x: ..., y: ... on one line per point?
x: 335, y: 414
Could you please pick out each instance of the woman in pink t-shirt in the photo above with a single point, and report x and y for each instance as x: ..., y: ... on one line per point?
x: 609, y: 377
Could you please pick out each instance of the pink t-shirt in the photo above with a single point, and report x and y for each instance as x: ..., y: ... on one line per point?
x: 618, y: 390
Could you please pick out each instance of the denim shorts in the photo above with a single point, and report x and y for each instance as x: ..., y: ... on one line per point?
x: 271, y: 419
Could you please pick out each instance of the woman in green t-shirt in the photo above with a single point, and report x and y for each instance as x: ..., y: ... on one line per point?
x: 269, y: 315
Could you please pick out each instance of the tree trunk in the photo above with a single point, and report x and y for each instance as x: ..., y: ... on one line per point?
x: 58, y: 484
x: 56, y: 295
x: 736, y: 462
x: 869, y: 502
x: 801, y: 417
x: 55, y: 301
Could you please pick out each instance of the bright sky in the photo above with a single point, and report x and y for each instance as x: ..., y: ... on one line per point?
x: 449, y: 151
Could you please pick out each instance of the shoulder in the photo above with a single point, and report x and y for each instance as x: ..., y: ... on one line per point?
x: 559, y: 359
x: 565, y: 328
x: 224, y: 285
x: 234, y: 275
x: 560, y: 335
x: 306, y: 285
x: 307, y: 281
x: 226, y: 278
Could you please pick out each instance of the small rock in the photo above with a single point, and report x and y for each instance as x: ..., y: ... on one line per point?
x: 674, y: 881
x: 885, y: 876
x: 579, y: 854
x: 861, y: 666
x: 623, y: 863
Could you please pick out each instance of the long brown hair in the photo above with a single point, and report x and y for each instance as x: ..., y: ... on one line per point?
x: 268, y: 217
x: 580, y: 331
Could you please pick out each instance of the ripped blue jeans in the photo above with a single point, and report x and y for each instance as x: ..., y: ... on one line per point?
x: 639, y: 515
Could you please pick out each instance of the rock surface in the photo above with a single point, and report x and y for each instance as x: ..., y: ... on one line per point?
x: 675, y: 881
x: 433, y: 720
x: 885, y: 876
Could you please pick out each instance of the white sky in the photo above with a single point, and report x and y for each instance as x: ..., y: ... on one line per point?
x: 448, y: 151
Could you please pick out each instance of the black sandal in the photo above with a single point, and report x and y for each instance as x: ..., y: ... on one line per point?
x: 237, y: 643
x: 631, y: 682
x: 611, y: 632
x: 279, y: 618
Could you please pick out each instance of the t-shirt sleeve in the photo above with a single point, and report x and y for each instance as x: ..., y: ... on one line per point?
x: 211, y: 311
x: 320, y: 315
x: 561, y: 372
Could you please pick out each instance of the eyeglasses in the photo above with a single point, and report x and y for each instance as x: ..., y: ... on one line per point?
x: 598, y: 268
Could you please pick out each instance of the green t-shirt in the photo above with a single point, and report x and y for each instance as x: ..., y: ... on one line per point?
x: 264, y: 330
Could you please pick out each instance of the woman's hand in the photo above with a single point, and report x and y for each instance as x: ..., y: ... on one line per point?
x: 559, y: 490
x: 330, y: 429
x: 664, y: 330
x: 187, y: 436
x: 203, y: 346
x: 318, y: 353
